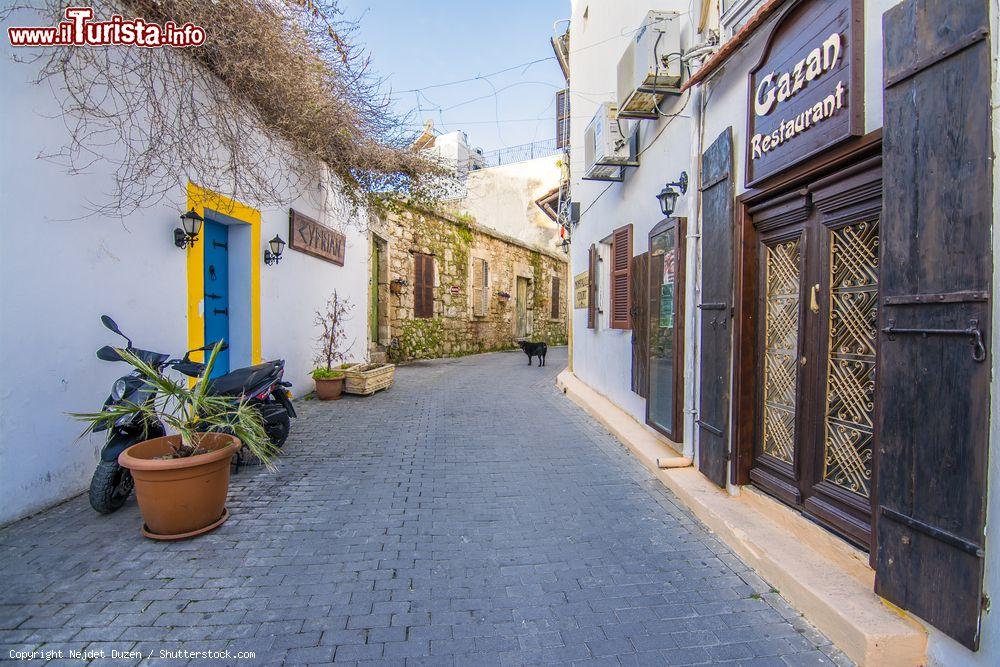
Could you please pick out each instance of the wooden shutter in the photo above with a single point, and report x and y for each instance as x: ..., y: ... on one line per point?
x: 716, y: 307
x: 479, y: 283
x: 592, y: 287
x: 423, y: 285
x: 621, y: 277
x: 934, y: 389
x: 562, y: 118
x: 640, y: 324
x: 555, y: 297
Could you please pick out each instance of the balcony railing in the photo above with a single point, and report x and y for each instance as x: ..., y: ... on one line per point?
x: 512, y: 154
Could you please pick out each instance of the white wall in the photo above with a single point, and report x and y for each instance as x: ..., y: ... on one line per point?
x: 602, y: 357
x: 503, y: 199
x: 59, y: 272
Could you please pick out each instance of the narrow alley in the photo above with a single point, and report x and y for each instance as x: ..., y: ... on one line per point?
x: 470, y: 515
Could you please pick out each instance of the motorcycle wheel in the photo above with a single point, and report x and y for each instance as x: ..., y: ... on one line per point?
x: 278, y: 430
x: 110, y: 487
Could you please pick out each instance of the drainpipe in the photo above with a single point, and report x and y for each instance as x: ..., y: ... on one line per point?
x: 692, y: 292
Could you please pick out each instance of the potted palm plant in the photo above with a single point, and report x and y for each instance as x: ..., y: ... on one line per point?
x: 329, y: 375
x: 182, y: 480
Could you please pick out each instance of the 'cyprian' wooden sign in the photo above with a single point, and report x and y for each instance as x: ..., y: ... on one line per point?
x: 308, y: 236
x: 806, y: 93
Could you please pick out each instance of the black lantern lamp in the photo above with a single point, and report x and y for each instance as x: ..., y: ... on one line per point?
x: 668, y: 196
x: 186, y: 235
x: 565, y: 245
x: 272, y: 255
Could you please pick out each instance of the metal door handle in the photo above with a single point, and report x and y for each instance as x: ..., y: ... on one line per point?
x: 221, y: 311
x: 813, y: 301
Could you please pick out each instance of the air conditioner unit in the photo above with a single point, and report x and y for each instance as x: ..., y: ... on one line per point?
x: 607, y: 146
x: 650, y: 68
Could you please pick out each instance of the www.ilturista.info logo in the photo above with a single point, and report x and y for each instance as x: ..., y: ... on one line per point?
x: 79, y: 30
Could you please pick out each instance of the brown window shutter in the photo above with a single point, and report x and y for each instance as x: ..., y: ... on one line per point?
x: 562, y: 119
x: 592, y: 287
x: 478, y: 303
x: 485, y: 291
x: 640, y: 324
x: 555, y: 297
x: 423, y: 285
x: 933, y: 394
x: 621, y: 277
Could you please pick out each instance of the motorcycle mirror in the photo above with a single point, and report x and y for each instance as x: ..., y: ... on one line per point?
x: 108, y: 353
x: 112, y: 326
x: 211, y: 346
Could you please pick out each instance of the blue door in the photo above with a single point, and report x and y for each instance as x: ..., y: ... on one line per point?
x: 216, y: 239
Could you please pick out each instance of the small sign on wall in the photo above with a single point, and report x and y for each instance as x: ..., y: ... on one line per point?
x: 581, y: 287
x: 309, y: 236
x: 455, y: 289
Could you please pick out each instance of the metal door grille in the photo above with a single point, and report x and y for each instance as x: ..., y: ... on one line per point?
x: 850, y: 382
x: 781, y: 336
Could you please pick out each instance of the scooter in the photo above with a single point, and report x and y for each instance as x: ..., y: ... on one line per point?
x: 260, y: 385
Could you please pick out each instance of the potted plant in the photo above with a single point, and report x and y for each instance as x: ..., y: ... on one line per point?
x: 182, y: 480
x: 503, y: 296
x: 329, y: 376
x: 396, y: 285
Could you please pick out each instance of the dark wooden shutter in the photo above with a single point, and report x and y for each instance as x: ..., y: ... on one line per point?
x: 592, y: 286
x: 562, y: 118
x: 716, y: 307
x: 423, y: 285
x: 555, y: 297
x: 621, y: 277
x: 640, y: 324
x: 934, y: 390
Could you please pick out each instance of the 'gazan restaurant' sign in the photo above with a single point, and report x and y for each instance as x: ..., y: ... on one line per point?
x: 806, y: 91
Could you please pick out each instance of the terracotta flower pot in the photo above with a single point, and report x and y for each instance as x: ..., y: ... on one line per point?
x: 182, y: 497
x: 330, y: 390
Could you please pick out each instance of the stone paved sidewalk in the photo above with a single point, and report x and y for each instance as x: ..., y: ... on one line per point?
x: 471, y: 515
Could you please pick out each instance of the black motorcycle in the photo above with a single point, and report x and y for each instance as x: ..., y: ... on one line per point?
x: 261, y: 385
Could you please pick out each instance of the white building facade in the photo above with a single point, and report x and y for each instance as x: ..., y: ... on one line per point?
x: 68, y: 267
x: 755, y: 330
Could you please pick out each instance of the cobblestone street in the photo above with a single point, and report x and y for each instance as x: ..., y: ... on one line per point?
x: 471, y: 515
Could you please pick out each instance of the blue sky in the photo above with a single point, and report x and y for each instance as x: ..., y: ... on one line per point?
x: 421, y: 43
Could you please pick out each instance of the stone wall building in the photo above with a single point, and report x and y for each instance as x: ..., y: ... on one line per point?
x: 448, y: 286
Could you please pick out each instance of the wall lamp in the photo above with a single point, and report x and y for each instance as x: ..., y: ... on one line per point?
x: 272, y: 254
x: 565, y: 246
x: 186, y: 235
x: 668, y: 196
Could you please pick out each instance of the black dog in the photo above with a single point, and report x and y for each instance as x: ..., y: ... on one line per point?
x: 534, y: 350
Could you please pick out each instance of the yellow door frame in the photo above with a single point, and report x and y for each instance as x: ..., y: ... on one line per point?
x: 199, y: 199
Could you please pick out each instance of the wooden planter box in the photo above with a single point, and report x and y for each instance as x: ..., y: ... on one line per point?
x: 366, y: 379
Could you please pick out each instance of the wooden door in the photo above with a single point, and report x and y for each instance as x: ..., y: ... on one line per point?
x: 216, y: 281
x: 640, y: 324
x: 817, y: 311
x: 937, y: 271
x: 373, y: 295
x: 521, y: 328
x: 716, y: 307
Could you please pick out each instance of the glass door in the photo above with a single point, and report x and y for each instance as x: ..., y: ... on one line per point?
x: 664, y: 406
